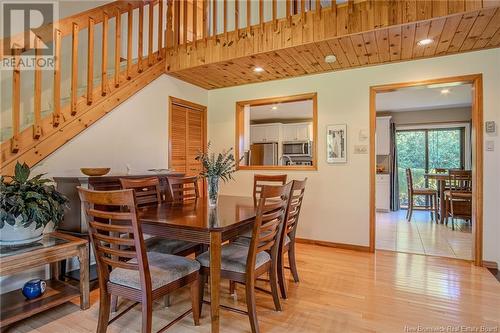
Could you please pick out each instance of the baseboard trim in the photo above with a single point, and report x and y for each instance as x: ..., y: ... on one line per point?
x: 490, y: 264
x: 334, y: 245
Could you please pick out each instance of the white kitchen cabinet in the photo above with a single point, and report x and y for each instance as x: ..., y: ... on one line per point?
x: 297, y: 132
x: 265, y: 133
x: 383, y: 192
x: 383, y: 136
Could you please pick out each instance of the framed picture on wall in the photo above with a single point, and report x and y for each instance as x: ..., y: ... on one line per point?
x: 336, y: 143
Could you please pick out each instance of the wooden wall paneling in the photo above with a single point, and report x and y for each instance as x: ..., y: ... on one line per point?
x: 150, y: 32
x: 74, y: 68
x: 449, y: 29
x: 56, y: 116
x: 325, y: 50
x: 439, y: 8
x: 104, y: 56
x: 37, y: 98
x: 424, y: 9
x: 308, y: 27
x: 140, y: 41
x: 463, y: 29
x: 421, y: 32
x: 130, y: 25
x: 495, y: 40
x: 409, y: 11
x: 297, y: 30
x: 160, y: 29
x: 408, y: 41
x: 90, y: 61
x: 298, y: 57
x: 395, y: 13
x: 342, y: 58
x: 118, y: 38
x: 329, y: 23
x: 342, y: 21
x: 483, y: 18
x: 456, y: 6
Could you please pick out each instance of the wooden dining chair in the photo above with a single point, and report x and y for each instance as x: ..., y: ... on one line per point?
x: 124, y: 267
x: 245, y: 263
x: 458, y: 198
x: 287, y: 239
x: 183, y: 188
x: 432, y: 194
x: 440, y: 170
x: 260, y: 180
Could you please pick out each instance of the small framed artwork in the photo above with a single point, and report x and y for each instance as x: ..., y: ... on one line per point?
x: 336, y: 143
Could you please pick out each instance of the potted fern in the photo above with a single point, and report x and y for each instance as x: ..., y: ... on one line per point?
x: 27, y: 205
x: 216, y: 167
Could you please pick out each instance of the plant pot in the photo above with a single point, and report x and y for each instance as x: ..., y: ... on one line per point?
x: 18, y: 234
x: 213, y: 191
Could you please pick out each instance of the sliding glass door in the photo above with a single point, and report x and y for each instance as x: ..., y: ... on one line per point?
x: 424, y: 150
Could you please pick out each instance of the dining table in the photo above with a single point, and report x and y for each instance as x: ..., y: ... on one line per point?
x: 196, y: 221
x: 440, y: 179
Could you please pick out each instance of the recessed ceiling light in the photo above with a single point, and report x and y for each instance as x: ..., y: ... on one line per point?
x: 330, y: 59
x: 274, y: 107
x: 258, y: 69
x: 445, y: 91
x: 425, y: 42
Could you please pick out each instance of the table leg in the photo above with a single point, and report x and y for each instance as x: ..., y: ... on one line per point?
x: 83, y: 258
x: 215, y: 266
x: 441, y: 201
x: 55, y: 270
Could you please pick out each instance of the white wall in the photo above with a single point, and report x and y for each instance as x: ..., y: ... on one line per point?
x: 336, y: 206
x: 134, y: 133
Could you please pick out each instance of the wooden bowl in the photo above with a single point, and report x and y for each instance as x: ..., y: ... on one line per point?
x: 95, y: 171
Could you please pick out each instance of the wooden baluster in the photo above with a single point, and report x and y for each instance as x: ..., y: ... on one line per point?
x: 214, y: 18
x: 195, y: 23
x: 177, y: 22
x: 118, y: 38
x: 130, y: 27
x: 104, y: 55
x: 74, y: 68
x: 225, y: 18
x: 170, y: 30
x: 275, y: 15
x: 185, y: 22
x: 261, y: 16
x: 37, y: 102
x: 56, y: 115
x: 350, y: 6
x: 160, y: 29
x: 249, y: 16
x: 90, y: 62
x: 140, y: 43
x: 303, y: 8
x: 237, y: 18
x: 318, y: 7
x: 289, y: 11
x: 205, y: 20
x: 150, y: 34
x: 16, y: 101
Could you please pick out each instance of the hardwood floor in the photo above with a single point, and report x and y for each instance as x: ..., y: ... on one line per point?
x: 340, y: 291
x: 421, y: 236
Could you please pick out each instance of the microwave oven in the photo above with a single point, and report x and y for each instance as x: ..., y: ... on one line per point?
x: 302, y: 148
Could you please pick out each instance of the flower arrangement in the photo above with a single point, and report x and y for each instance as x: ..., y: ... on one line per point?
x: 215, y: 167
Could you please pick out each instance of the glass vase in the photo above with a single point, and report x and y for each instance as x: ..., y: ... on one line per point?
x: 213, y: 190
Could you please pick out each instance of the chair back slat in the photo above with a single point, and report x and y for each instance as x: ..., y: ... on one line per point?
x: 115, y: 236
x: 146, y: 190
x: 261, y: 180
x: 460, y: 180
x: 409, y: 182
x: 183, y: 188
x: 294, y: 207
x: 269, y: 220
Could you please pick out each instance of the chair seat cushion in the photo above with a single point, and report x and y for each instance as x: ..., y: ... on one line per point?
x: 167, y: 246
x: 234, y: 258
x: 164, y: 269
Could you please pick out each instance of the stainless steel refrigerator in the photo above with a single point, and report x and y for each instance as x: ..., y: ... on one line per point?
x: 264, y: 153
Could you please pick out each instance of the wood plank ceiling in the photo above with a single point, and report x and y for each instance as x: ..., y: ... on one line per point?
x: 471, y: 31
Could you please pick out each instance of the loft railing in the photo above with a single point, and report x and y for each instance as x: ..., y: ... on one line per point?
x: 122, y: 56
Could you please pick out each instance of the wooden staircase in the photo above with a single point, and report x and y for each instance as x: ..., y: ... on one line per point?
x: 45, y: 131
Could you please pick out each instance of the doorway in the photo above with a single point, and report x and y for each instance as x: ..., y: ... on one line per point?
x: 427, y: 149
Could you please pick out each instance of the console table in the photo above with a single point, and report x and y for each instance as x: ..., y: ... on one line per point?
x: 51, y: 249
